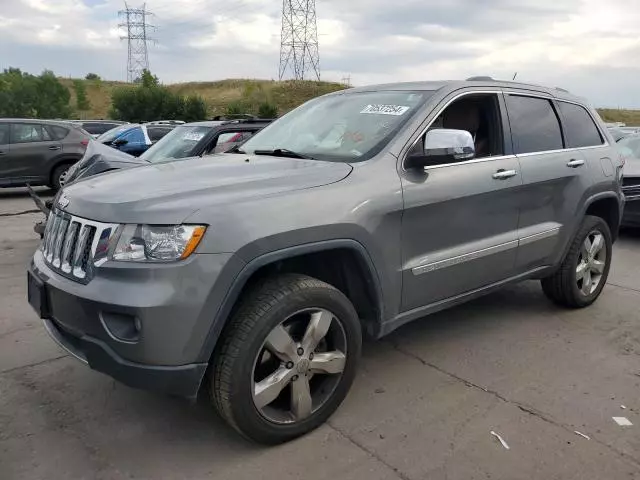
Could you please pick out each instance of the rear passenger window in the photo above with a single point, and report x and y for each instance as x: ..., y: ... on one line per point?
x: 580, y: 130
x: 534, y: 124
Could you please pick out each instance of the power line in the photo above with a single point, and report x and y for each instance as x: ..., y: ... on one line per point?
x: 135, y: 22
x: 299, y: 54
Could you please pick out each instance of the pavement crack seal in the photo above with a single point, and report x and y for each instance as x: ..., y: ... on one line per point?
x: 35, y: 364
x: 369, y: 452
x: 525, y: 408
x: 16, y: 214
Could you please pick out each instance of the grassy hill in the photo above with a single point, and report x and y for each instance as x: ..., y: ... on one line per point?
x: 285, y: 95
x: 218, y: 95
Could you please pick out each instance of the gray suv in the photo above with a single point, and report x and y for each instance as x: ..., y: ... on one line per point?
x: 253, y: 278
x: 38, y: 152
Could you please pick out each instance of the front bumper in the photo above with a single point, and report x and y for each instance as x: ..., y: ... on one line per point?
x: 183, y: 380
x: 144, y: 325
x: 631, y: 215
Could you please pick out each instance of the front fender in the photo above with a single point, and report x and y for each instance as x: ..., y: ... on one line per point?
x: 242, y: 275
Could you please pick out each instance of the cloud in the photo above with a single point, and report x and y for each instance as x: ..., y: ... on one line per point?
x: 587, y: 46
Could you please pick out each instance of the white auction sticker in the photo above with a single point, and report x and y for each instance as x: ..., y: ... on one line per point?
x: 193, y: 136
x: 395, y: 110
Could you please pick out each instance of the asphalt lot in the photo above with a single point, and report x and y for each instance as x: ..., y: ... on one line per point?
x: 422, y: 407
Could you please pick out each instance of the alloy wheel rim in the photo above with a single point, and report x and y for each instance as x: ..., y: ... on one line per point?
x: 63, y: 177
x: 299, y: 366
x: 591, y: 263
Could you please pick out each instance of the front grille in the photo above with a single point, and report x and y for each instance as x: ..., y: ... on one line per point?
x: 631, y: 181
x: 73, y: 246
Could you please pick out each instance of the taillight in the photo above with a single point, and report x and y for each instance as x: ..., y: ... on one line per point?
x: 84, y: 142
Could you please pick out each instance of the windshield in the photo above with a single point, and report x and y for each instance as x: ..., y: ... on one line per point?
x: 630, y: 145
x: 349, y: 127
x: 179, y: 143
x: 110, y: 135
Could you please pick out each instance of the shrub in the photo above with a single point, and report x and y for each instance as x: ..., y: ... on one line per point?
x: 267, y: 110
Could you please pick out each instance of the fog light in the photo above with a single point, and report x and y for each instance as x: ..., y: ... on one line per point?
x: 121, y: 327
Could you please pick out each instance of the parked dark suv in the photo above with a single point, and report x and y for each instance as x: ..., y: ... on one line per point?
x: 254, y: 274
x: 38, y: 152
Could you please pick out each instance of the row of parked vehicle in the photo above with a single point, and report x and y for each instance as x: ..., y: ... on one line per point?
x: 252, y: 275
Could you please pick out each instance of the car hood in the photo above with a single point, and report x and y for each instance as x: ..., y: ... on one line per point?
x: 97, y: 152
x: 169, y: 192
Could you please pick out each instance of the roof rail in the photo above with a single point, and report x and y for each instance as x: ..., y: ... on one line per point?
x: 249, y: 120
x: 480, y: 78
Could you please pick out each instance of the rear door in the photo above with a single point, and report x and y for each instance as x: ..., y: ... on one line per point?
x: 555, y: 178
x: 32, y: 146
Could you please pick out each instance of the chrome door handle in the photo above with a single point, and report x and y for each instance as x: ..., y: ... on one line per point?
x: 575, y: 163
x: 53, y: 147
x: 504, y: 174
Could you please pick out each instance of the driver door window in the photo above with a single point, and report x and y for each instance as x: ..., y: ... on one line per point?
x: 477, y: 114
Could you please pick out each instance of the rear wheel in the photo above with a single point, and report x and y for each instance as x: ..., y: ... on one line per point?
x: 287, y: 359
x: 584, y: 271
x: 59, y: 175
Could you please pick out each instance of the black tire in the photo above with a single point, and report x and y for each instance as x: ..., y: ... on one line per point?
x: 233, y: 365
x: 57, y: 174
x: 562, y: 287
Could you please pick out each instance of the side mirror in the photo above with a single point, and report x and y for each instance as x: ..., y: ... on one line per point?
x: 443, y: 145
x: 120, y: 141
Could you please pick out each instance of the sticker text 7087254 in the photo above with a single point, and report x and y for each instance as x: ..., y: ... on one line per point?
x: 396, y: 110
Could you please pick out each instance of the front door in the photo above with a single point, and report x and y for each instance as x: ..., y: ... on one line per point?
x: 555, y: 178
x: 460, y: 223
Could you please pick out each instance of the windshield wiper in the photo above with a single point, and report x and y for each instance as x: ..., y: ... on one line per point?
x: 283, y: 152
x: 236, y: 149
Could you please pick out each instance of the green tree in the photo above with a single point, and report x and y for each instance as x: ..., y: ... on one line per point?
x: 25, y: 95
x: 82, y: 101
x: 92, y: 76
x: 195, y: 109
x: 148, y: 101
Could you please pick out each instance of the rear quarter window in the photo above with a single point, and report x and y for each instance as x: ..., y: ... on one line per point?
x: 580, y: 129
x: 56, y: 132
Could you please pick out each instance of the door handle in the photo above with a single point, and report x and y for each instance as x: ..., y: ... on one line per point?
x: 2, y: 153
x: 504, y: 174
x: 54, y: 147
x: 575, y: 163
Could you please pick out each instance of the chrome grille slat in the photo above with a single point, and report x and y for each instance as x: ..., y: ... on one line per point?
x: 52, y: 237
x: 57, y: 248
x: 67, y: 249
x: 73, y: 245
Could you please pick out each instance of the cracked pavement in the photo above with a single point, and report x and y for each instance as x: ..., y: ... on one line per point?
x: 423, y: 405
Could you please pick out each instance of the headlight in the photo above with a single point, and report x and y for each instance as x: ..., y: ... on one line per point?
x: 157, y: 243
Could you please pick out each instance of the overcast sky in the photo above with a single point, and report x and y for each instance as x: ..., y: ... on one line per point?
x: 591, y: 47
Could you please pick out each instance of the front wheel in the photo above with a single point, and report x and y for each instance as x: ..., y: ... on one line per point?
x: 287, y: 359
x: 584, y: 271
